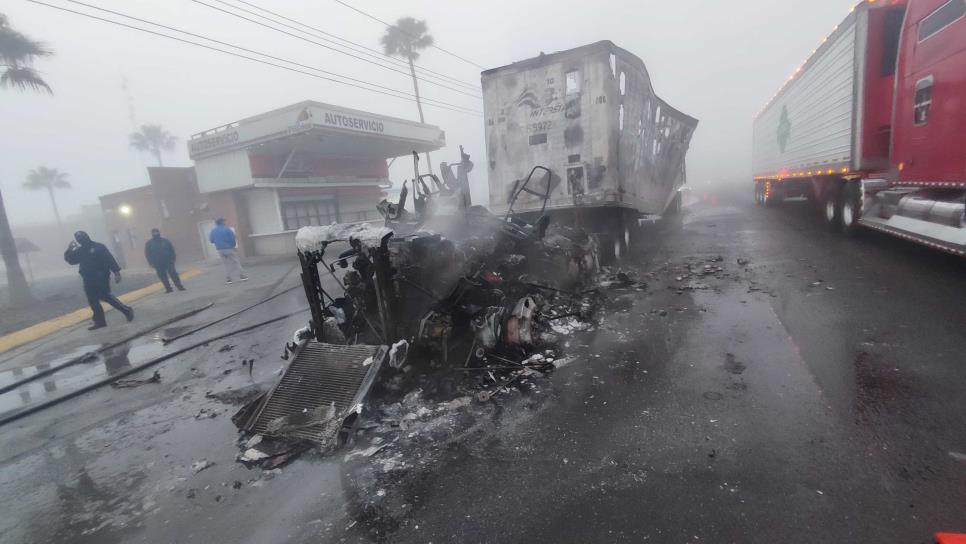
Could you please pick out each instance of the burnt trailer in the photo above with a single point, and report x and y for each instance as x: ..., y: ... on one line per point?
x: 590, y: 115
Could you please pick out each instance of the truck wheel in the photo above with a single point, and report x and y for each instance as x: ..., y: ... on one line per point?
x: 674, y: 208
x: 621, y: 237
x: 630, y: 232
x: 850, y: 208
x: 833, y: 207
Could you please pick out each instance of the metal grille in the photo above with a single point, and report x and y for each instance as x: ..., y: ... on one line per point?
x: 321, y: 375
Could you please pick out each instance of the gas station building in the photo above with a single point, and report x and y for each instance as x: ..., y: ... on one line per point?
x: 306, y: 164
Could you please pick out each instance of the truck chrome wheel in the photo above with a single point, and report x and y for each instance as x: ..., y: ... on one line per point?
x: 848, y: 218
x: 833, y: 207
x: 851, y: 211
x: 830, y: 210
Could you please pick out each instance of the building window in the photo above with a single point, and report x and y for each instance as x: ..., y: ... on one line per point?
x: 573, y: 82
x: 945, y: 15
x: 923, y: 101
x: 308, y: 213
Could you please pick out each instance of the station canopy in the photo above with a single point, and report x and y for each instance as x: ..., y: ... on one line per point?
x: 322, y: 129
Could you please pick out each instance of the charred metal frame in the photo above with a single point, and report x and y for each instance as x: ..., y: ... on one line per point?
x: 524, y: 188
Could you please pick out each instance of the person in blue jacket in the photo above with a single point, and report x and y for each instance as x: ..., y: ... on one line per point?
x: 223, y: 237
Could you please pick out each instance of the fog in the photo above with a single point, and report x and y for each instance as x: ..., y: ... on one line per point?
x: 717, y: 61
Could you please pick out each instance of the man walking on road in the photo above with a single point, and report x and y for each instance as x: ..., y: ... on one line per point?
x: 224, y: 239
x: 160, y: 255
x: 96, y: 265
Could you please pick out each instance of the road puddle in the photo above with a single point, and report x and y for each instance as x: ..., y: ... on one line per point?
x: 71, y: 378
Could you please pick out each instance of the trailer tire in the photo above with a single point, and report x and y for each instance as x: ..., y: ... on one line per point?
x: 631, y: 228
x: 850, y: 208
x: 833, y: 206
x: 620, y: 237
x: 674, y: 208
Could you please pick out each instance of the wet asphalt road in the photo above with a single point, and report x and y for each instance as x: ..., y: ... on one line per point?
x: 811, y: 395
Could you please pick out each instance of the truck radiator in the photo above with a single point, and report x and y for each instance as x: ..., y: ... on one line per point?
x: 322, y: 383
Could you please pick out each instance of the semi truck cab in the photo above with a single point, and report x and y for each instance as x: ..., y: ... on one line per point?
x: 872, y: 127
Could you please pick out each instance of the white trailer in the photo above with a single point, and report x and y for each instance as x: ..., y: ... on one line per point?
x: 871, y: 126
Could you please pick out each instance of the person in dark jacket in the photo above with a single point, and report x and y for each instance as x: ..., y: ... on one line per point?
x: 96, y: 265
x: 160, y: 255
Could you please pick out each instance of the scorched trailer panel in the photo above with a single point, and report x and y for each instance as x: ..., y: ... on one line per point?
x: 590, y: 115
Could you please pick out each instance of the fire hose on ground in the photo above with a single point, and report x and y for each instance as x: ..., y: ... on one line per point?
x: 147, y: 364
x: 91, y: 354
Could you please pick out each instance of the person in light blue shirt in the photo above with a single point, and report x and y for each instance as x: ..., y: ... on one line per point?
x: 223, y: 237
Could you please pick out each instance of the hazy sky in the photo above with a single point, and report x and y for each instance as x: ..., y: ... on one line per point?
x: 717, y: 61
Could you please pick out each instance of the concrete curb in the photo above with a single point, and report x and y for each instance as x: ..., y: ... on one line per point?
x: 44, y: 328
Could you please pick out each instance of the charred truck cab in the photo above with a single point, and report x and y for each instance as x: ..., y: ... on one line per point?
x: 872, y: 127
x: 614, y: 150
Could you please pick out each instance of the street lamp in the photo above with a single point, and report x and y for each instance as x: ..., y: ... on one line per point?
x: 124, y: 210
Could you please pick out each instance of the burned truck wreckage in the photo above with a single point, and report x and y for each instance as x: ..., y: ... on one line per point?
x: 444, y: 288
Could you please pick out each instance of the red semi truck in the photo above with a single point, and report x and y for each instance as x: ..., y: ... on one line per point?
x: 872, y: 127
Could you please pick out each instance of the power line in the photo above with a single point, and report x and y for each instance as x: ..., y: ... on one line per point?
x: 391, y: 89
x: 263, y: 54
x: 303, y: 38
x: 380, y: 58
x: 441, y: 105
x: 390, y: 25
x: 371, y: 52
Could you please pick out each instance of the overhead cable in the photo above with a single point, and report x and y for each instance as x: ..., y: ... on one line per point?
x: 390, y: 25
x: 395, y: 93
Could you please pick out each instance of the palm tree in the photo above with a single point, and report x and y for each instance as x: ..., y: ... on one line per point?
x: 48, y: 178
x: 405, y: 39
x: 17, y: 53
x: 153, y: 139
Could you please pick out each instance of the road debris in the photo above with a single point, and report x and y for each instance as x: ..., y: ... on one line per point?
x: 206, y: 413
x: 317, y: 400
x: 136, y: 382
x: 445, y: 288
x: 200, y: 465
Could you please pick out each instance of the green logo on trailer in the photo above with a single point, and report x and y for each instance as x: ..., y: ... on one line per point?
x: 784, y: 130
